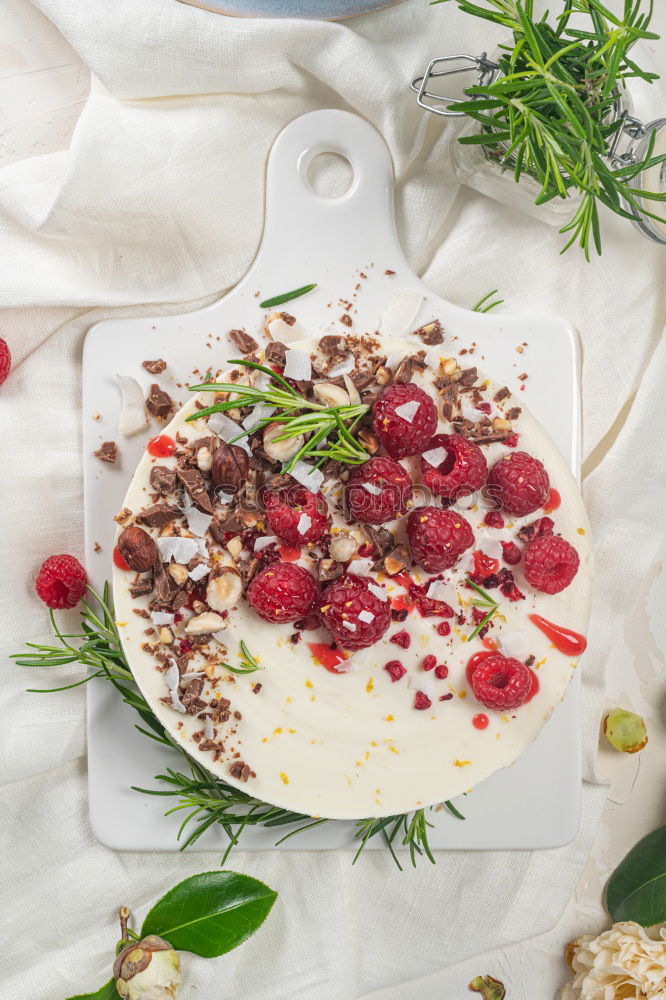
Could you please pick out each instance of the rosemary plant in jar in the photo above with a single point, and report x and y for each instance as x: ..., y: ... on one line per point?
x: 550, y: 127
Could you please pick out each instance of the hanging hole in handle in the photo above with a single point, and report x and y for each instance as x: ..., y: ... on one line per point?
x: 330, y: 175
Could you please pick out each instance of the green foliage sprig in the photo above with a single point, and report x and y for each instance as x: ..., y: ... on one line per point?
x: 550, y: 112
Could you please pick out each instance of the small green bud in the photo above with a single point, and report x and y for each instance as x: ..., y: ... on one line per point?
x: 625, y: 731
x: 488, y: 987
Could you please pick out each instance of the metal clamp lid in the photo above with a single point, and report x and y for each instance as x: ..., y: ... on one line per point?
x: 486, y: 72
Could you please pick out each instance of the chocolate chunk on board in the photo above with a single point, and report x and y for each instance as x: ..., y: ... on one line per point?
x: 195, y: 484
x: 107, y: 452
x: 159, y: 403
x: 154, y: 367
x: 243, y: 341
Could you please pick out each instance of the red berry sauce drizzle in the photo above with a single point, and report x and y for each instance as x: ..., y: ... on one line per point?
x: 161, y: 446
x: 563, y: 639
x: 118, y: 559
x: 329, y: 656
x: 553, y: 502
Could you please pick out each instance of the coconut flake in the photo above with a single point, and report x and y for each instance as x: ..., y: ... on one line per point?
x: 434, y: 357
x: 408, y: 410
x: 366, y: 616
x: 307, y: 475
x: 264, y: 542
x: 209, y: 730
x: 424, y: 682
x: 227, y: 429
x: 466, y: 564
x: 344, y: 666
x: 349, y: 625
x: 297, y: 366
x: 197, y: 521
x: 343, y: 367
x: 435, y: 456
x: 162, y: 617
x: 441, y: 591
x: 132, y: 416
x: 490, y: 547
x: 304, y: 524
x: 400, y: 314
x: 199, y: 572
x: 179, y: 549
x: 469, y: 411
x: 224, y: 498
x: 361, y: 567
x: 515, y: 644
x: 172, y: 680
x: 283, y: 332
x: 394, y: 359
x: 260, y: 412
x: 378, y: 591
x: 372, y: 488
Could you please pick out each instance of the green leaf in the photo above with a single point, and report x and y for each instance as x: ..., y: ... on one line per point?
x: 637, y: 888
x: 106, y: 992
x: 211, y: 913
x: 277, y: 300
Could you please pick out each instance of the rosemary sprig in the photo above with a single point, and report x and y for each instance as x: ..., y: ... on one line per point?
x: 203, y: 799
x: 550, y: 112
x: 484, y: 306
x: 485, y: 601
x: 327, y: 429
x: 278, y: 300
x: 247, y: 665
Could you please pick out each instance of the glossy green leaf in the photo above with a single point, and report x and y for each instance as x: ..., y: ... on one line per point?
x: 637, y: 888
x: 211, y: 913
x: 106, y: 992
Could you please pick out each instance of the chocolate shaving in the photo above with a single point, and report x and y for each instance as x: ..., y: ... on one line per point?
x: 195, y: 485
x: 467, y: 377
x: 154, y: 367
x: 431, y: 333
x: 501, y: 394
x: 163, y: 479
x: 276, y: 353
x: 165, y: 586
x: 159, y: 403
x: 158, y: 515
x: 107, y: 452
x: 241, y: 771
x: 408, y: 366
x: 141, y: 585
x: 243, y: 341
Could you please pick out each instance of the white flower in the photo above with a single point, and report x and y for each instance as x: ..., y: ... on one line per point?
x: 149, y: 970
x: 623, y: 963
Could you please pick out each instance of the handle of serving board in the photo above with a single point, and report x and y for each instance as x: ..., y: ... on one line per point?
x: 294, y: 209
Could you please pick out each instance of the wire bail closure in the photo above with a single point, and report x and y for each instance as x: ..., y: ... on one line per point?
x: 486, y: 73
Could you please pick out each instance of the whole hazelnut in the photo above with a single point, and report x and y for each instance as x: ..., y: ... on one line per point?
x: 230, y: 466
x: 137, y: 548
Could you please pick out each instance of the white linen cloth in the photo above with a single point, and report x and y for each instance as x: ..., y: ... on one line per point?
x: 159, y: 200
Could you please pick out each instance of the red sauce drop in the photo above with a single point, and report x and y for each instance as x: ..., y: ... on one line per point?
x: 289, y: 555
x: 329, y: 658
x: 118, y: 559
x: 473, y: 663
x: 553, y: 502
x: 489, y: 644
x: 161, y: 446
x: 484, y: 566
x: 402, y: 603
x: 564, y: 639
x: 404, y: 580
x: 534, y: 690
x: 480, y: 721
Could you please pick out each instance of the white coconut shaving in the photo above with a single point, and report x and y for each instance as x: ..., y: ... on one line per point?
x: 297, y: 365
x: 304, y: 524
x: 408, y: 410
x: 285, y: 333
x: 435, y: 456
x: 441, y: 591
x: 172, y: 679
x: 264, y: 542
x: 469, y: 411
x: 181, y: 550
x: 361, y: 567
x: 209, y: 729
x: 199, y: 572
x: 260, y: 412
x: 400, y: 314
x: 344, y: 666
x: 490, y: 547
x: 162, y: 617
x: 394, y: 359
x: 372, y: 488
x: 434, y: 357
x: 227, y: 429
x: 466, y: 564
x: 366, y: 616
x: 349, y: 625
x: 378, y: 591
x: 132, y: 416
x: 197, y: 521
x: 515, y: 644
x: 307, y: 475
x: 424, y: 681
x: 224, y: 498
x: 343, y: 367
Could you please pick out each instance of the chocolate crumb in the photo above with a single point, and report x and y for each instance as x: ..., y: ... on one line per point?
x: 154, y: 367
x: 243, y: 341
x: 107, y: 452
x: 346, y: 319
x: 431, y: 333
x: 159, y: 403
x: 241, y: 771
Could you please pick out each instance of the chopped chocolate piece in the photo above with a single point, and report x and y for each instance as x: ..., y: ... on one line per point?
x: 165, y: 585
x: 431, y: 333
x: 192, y: 691
x: 396, y: 560
x: 154, y: 367
x: 195, y: 485
x: 449, y: 394
x: 329, y: 569
x: 530, y: 660
x: 407, y: 367
x: 163, y: 479
x: 346, y: 319
x: 369, y: 440
x: 333, y: 344
x: 141, y: 612
x: 141, y: 585
x: 276, y: 353
x: 389, y: 272
x: 158, y: 515
x: 467, y: 376
x: 243, y: 341
x: 491, y: 438
x: 123, y: 516
x: 241, y: 771
x: 97, y: 547
x: 514, y: 413
x: 107, y: 452
x: 159, y: 403
x: 248, y: 569
x: 501, y: 394
x: 380, y: 538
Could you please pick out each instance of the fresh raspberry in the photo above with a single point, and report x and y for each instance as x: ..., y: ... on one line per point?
x: 510, y: 553
x: 354, y: 616
x: 441, y: 671
x: 550, y: 564
x: 61, y: 581
x: 288, y: 508
x: 462, y: 470
x: 444, y: 629
x: 494, y: 519
x: 5, y: 363
x: 283, y: 592
x: 429, y: 662
x: 438, y: 537
x: 402, y: 639
x: 404, y: 435
x: 501, y: 682
x: 519, y: 483
x: 395, y: 670
x: 421, y: 701
x: 378, y: 491
x: 536, y: 529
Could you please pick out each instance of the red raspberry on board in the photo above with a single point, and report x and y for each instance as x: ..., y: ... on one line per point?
x: 289, y: 510
x: 395, y: 670
x: 501, y: 682
x: 5, y: 360
x: 402, y: 428
x: 61, y: 581
x: 550, y: 564
x: 460, y: 470
x: 378, y: 491
x: 354, y: 615
x: 519, y: 483
x: 438, y: 537
x: 283, y: 592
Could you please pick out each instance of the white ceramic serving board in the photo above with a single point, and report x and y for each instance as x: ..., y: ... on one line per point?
x: 308, y: 238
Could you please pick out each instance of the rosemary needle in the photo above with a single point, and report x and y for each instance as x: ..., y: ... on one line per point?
x: 279, y: 300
